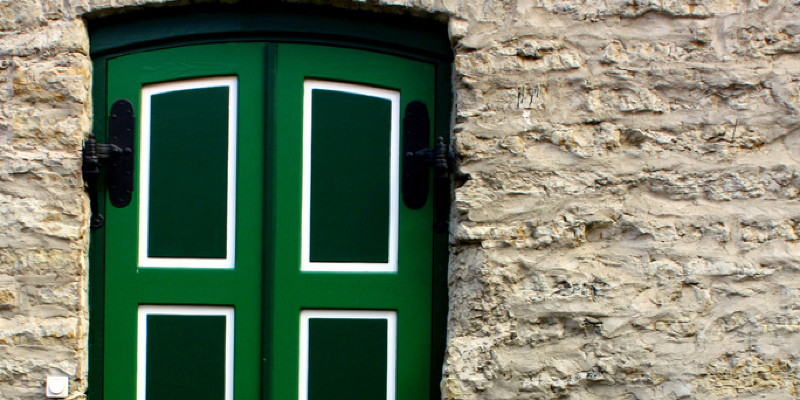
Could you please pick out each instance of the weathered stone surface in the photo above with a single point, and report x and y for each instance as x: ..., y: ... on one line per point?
x: 16, y: 15
x: 42, y: 318
x: 627, y: 227
x: 45, y: 76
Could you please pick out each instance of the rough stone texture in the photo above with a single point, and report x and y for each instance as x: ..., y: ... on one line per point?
x: 628, y: 226
x: 45, y: 76
x: 629, y: 229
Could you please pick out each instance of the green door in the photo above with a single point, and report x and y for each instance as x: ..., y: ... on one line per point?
x: 267, y: 252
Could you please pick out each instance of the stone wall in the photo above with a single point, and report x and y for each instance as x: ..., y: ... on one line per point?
x: 630, y: 228
x: 627, y: 228
x: 45, y: 76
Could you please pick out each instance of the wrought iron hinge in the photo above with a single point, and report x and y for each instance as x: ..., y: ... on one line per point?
x: 118, y: 153
x: 417, y: 158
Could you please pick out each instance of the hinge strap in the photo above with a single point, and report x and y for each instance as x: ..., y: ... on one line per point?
x: 417, y: 158
x: 119, y: 156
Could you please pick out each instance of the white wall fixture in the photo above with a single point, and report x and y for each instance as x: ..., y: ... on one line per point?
x: 57, y: 387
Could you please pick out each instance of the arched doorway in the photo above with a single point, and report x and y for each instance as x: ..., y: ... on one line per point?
x: 266, y: 252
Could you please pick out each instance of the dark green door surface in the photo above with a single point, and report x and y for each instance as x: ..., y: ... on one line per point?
x: 267, y: 252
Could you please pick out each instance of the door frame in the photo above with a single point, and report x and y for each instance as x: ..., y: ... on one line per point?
x: 415, y: 38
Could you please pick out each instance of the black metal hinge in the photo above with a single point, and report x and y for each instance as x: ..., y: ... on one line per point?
x: 118, y: 153
x: 417, y: 158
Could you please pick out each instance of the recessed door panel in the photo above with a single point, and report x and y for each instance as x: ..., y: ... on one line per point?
x: 350, y: 180
x: 347, y: 354
x: 188, y: 173
x: 185, y: 352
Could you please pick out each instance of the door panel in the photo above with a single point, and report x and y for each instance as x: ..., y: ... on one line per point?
x: 192, y: 120
x: 354, y: 284
x: 350, y: 137
x: 179, y: 242
x: 175, y: 362
x: 346, y: 308
x: 347, y: 355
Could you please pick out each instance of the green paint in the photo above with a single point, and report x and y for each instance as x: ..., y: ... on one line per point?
x: 269, y: 160
x: 126, y: 285
x: 347, y: 359
x: 418, y: 37
x: 189, y: 174
x: 268, y: 249
x: 409, y: 290
x: 97, y: 246
x: 350, y: 150
x: 185, y: 357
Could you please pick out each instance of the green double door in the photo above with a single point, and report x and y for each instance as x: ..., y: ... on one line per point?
x: 267, y: 252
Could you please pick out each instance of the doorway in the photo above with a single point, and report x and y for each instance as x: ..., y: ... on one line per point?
x: 266, y: 251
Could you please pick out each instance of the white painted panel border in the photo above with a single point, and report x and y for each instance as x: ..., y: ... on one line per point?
x: 391, y: 343
x: 144, y: 174
x: 394, y: 178
x: 141, y: 349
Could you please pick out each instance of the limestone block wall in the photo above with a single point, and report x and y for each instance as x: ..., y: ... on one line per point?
x: 626, y: 225
x: 629, y: 230
x: 45, y: 77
